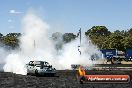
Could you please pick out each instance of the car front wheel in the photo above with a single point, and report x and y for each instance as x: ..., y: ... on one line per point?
x: 36, y: 72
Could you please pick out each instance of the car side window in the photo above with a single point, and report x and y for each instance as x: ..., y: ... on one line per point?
x: 31, y: 63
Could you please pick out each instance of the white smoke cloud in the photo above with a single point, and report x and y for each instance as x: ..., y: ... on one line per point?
x: 35, y: 44
x: 3, y: 55
x: 15, y: 64
x: 71, y: 55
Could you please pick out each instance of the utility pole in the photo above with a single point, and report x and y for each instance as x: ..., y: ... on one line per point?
x: 79, y: 34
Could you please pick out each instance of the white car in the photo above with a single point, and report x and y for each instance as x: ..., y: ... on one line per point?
x: 40, y: 68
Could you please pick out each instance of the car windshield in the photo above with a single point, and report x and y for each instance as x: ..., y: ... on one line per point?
x: 38, y: 62
x: 41, y: 63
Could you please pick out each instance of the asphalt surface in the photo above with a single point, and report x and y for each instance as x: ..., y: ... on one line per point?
x: 64, y: 79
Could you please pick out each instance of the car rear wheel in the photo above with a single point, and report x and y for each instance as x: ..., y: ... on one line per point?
x: 28, y: 74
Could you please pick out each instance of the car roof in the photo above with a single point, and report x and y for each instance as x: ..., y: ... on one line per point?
x: 39, y: 61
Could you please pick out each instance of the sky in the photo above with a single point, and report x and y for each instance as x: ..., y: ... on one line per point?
x: 67, y: 15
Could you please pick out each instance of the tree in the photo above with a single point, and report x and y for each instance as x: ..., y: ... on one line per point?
x: 68, y: 37
x: 57, y: 36
x: 16, y: 35
x: 122, y: 33
x: 129, y: 32
x: 58, y: 40
x: 98, y: 40
x: 115, y: 42
x: 127, y: 41
x: 1, y: 37
x: 117, y: 32
x: 98, y: 35
x: 11, y: 40
x: 98, y: 31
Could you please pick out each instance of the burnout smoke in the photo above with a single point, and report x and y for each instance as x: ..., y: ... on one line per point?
x: 3, y: 54
x: 35, y: 44
x: 71, y: 55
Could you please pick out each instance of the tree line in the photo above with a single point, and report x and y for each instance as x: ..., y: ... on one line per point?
x: 10, y: 41
x: 99, y: 35
x: 104, y: 39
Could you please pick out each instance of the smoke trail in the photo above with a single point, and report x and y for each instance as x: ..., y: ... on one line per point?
x: 71, y: 55
x: 3, y: 54
x: 35, y: 44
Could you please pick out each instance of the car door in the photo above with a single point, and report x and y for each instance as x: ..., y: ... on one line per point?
x: 28, y: 68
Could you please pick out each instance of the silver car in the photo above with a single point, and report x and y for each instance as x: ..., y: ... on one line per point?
x: 40, y: 68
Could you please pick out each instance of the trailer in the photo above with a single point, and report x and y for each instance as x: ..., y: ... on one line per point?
x: 114, y: 56
x: 108, y: 53
x: 128, y: 54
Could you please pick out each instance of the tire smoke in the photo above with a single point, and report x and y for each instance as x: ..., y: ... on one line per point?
x: 35, y: 44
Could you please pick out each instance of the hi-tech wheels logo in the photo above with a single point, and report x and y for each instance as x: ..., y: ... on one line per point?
x: 83, y: 78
